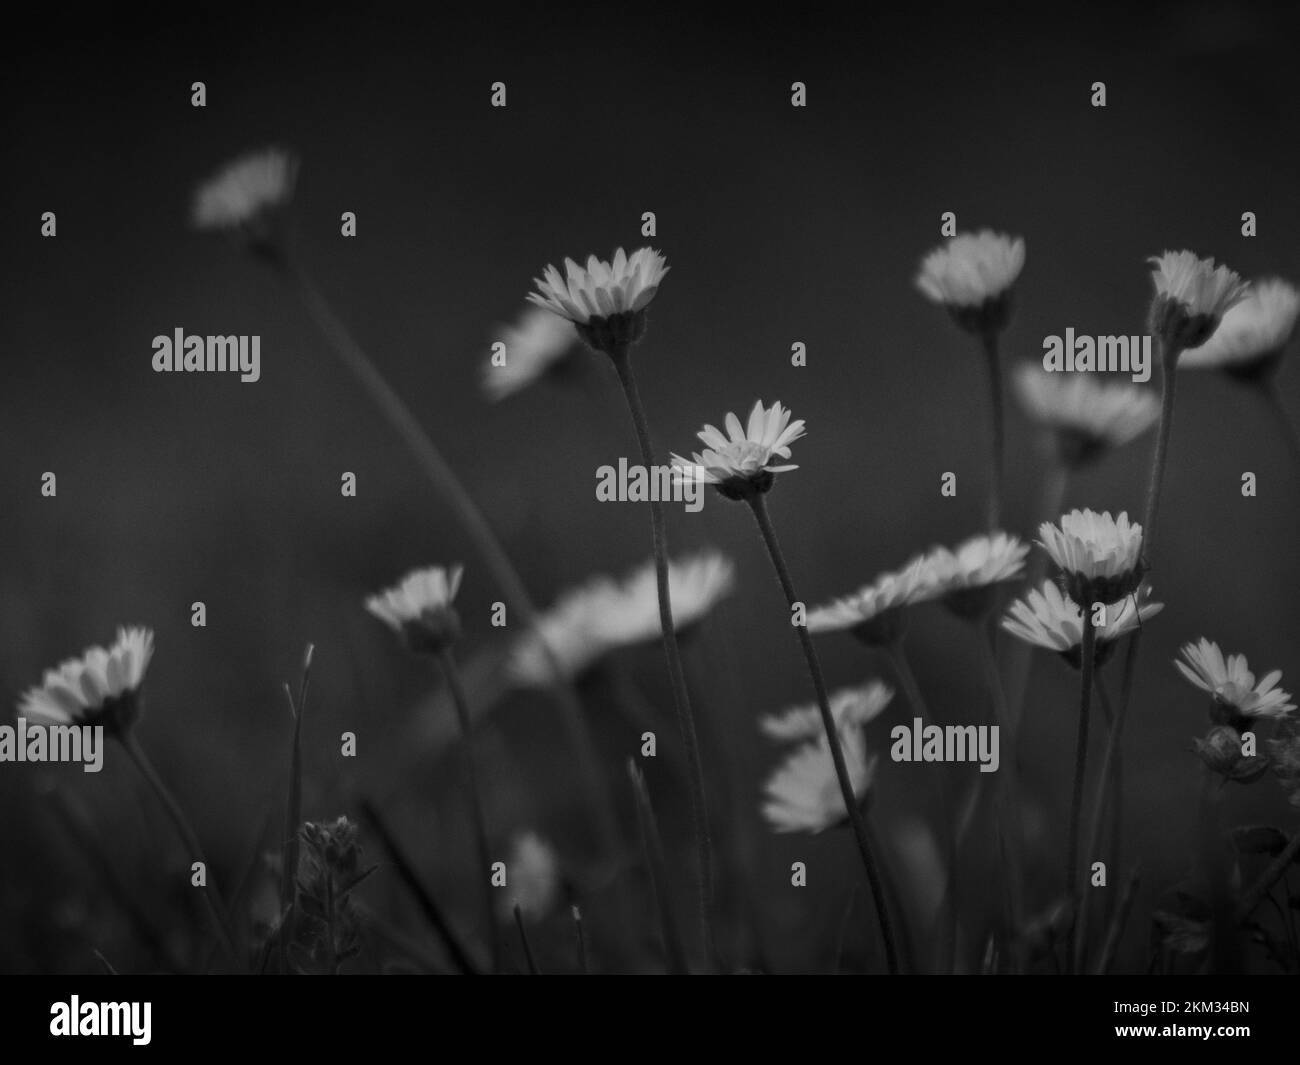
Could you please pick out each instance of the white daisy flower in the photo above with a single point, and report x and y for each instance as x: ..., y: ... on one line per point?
x: 874, y: 612
x: 590, y: 621
x: 605, y: 300
x: 803, y: 793
x: 962, y: 578
x: 850, y: 708
x: 1086, y: 417
x: 1253, y: 333
x: 1049, y: 619
x: 533, y: 876
x: 741, y: 463
x: 535, y: 346
x: 1192, y: 296
x: 1233, y: 684
x: 972, y: 275
x: 419, y: 607
x: 99, y: 688
x: 1100, y: 557
x: 245, y: 190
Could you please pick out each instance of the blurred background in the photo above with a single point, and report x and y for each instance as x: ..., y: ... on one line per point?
x: 780, y: 225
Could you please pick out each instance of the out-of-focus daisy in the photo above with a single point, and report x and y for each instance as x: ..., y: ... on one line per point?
x: 1237, y: 697
x: 246, y: 191
x: 963, y: 579
x: 532, y: 876
x: 597, y: 617
x: 803, y: 793
x: 1049, y: 619
x: 534, y: 347
x: 102, y: 687
x: 1099, y: 556
x: 419, y: 608
x: 1253, y: 334
x: 972, y: 275
x: 695, y: 585
x: 1086, y: 418
x: 1192, y: 296
x: 605, y: 300
x: 741, y: 464
x: 874, y: 613
x: 850, y: 708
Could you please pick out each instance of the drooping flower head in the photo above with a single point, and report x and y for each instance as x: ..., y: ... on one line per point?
x: 1100, y: 557
x: 1253, y: 334
x: 972, y: 275
x: 246, y: 196
x: 1086, y: 418
x: 1237, y: 697
x: 533, y: 876
x: 102, y: 687
x: 1192, y: 296
x: 536, y: 347
x: 605, y: 300
x: 1049, y: 619
x: 965, y: 580
x: 850, y: 708
x: 875, y: 612
x: 742, y: 464
x: 597, y: 617
x: 803, y: 793
x: 419, y: 608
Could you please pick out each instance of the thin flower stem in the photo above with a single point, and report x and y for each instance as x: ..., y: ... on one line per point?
x: 759, y: 508
x: 652, y: 845
x: 1009, y: 785
x: 989, y: 339
x: 1089, y: 649
x: 523, y: 938
x: 189, y: 839
x: 1116, y: 929
x: 1285, y: 426
x: 676, y: 673
x: 1109, y: 795
x: 448, y: 661
x: 448, y: 486
x: 1050, y: 505
x: 1159, y: 459
x: 429, y: 906
x: 912, y: 692
x: 580, y: 934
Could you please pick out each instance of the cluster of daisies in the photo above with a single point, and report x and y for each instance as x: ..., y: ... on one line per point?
x: 1204, y: 314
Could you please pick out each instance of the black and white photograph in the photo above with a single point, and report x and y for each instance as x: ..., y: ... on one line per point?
x: 587, y: 490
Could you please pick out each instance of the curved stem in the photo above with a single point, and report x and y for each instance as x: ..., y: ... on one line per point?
x: 677, y: 675
x: 1287, y: 429
x: 452, y: 674
x: 189, y: 839
x: 448, y: 486
x: 851, y: 807
x: 1080, y: 764
x: 990, y: 343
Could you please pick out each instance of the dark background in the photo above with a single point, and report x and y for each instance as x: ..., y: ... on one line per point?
x: 780, y: 224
